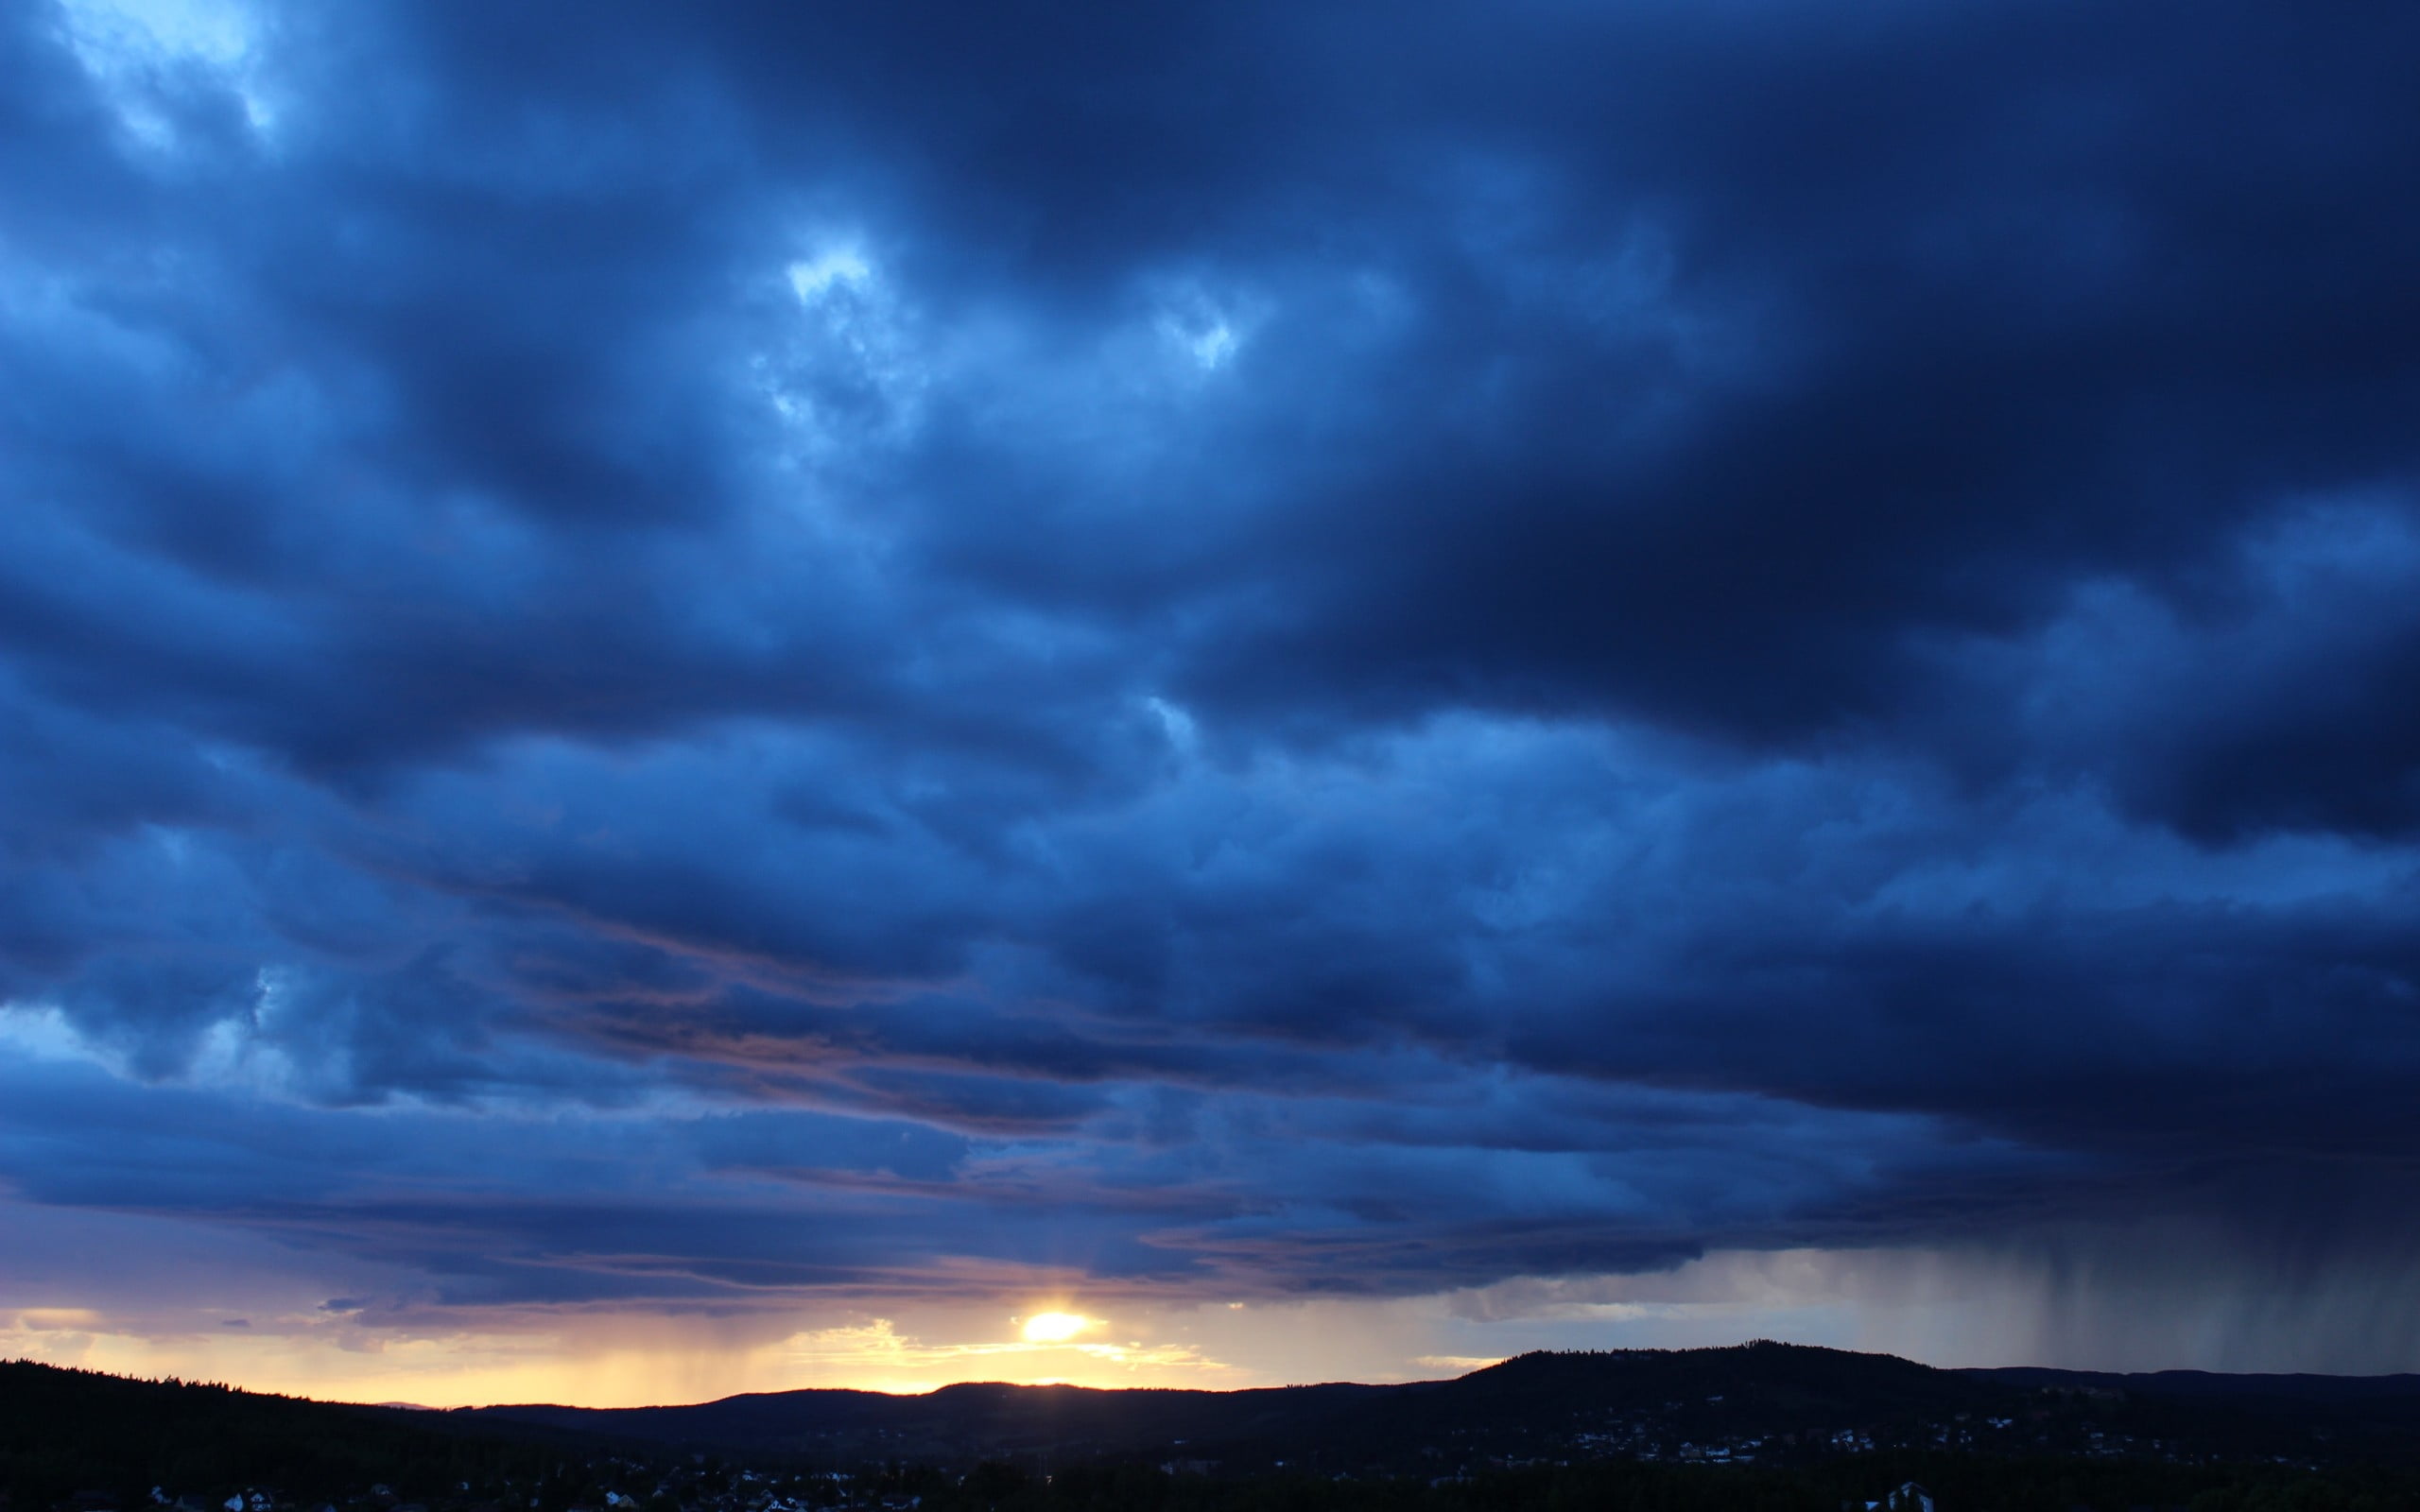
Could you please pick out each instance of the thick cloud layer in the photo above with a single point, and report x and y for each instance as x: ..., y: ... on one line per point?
x: 667, y: 656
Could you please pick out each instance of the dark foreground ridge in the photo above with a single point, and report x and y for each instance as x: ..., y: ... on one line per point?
x: 1762, y: 1425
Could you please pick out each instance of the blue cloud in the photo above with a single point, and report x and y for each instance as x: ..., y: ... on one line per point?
x: 1227, y: 649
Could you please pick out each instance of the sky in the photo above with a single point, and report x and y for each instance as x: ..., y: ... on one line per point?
x: 718, y: 697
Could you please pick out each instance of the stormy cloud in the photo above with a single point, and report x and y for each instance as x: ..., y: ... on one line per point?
x: 694, y: 659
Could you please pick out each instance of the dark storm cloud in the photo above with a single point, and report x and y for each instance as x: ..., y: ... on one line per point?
x: 1253, y: 643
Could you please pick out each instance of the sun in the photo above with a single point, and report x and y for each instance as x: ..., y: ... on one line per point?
x: 1055, y: 1328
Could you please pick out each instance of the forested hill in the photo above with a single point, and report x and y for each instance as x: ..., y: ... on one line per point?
x: 68, y: 1432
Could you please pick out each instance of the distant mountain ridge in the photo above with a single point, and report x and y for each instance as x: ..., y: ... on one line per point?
x: 1773, y: 1427
x: 1767, y: 1399
x: 1780, y: 1406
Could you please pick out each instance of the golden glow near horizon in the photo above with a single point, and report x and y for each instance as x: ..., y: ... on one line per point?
x: 1056, y: 1328
x: 609, y: 1358
x: 600, y: 1361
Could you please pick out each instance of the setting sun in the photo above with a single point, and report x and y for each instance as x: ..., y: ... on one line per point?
x: 1055, y: 1328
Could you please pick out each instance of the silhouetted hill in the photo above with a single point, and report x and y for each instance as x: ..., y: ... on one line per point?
x: 65, y: 1431
x: 1772, y: 1403
x: 1813, y: 1425
x: 974, y: 1420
